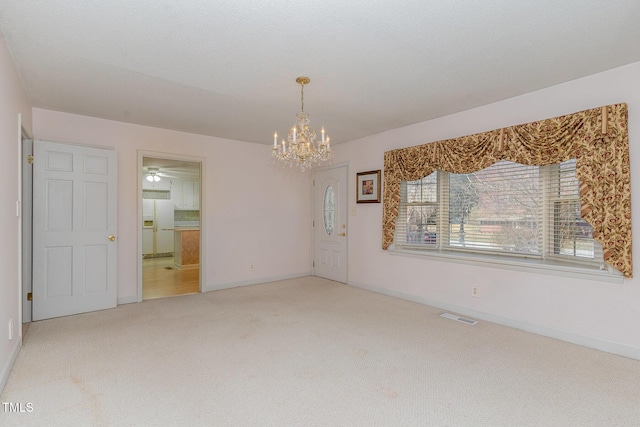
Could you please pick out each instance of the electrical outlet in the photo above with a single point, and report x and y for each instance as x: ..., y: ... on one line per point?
x: 475, y: 292
x: 251, y: 267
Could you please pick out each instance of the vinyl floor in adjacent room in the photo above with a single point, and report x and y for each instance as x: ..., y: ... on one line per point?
x: 161, y: 279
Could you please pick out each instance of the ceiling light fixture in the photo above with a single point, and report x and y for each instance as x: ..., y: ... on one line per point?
x: 303, y: 150
x: 153, y: 175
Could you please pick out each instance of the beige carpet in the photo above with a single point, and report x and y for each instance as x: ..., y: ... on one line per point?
x: 308, y: 352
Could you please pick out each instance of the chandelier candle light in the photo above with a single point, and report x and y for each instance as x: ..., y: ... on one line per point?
x: 303, y: 150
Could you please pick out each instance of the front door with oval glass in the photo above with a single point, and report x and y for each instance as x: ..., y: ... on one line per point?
x: 330, y: 224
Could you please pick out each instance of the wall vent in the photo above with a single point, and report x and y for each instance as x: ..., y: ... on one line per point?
x: 459, y: 319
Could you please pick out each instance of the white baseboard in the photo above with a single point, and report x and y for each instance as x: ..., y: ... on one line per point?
x: 258, y: 281
x: 6, y: 369
x: 220, y: 286
x: 585, y: 341
x: 127, y: 300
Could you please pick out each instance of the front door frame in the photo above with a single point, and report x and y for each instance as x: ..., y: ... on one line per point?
x: 179, y: 158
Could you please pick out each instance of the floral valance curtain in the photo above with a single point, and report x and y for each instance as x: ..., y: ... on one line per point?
x: 598, y: 139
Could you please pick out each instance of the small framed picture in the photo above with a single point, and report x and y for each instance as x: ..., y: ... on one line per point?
x: 368, y: 187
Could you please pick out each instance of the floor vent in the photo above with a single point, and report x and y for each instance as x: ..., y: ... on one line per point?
x: 459, y: 319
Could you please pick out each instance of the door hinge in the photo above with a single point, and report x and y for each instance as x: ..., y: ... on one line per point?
x: 30, y: 296
x: 30, y: 159
x: 314, y: 264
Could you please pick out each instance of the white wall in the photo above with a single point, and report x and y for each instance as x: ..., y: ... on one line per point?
x: 588, y: 312
x: 13, y: 101
x: 254, y: 213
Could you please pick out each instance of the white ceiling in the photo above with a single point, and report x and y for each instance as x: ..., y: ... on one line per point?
x: 227, y: 68
x: 171, y: 168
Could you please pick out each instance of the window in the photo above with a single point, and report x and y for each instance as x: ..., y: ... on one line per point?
x: 507, y: 209
x: 329, y: 210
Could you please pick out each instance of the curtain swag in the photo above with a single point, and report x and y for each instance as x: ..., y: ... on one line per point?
x: 598, y: 139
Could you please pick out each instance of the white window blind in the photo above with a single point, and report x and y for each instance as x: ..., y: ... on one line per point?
x: 570, y: 236
x: 507, y: 209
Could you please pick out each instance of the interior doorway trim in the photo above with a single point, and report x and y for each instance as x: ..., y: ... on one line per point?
x: 203, y: 226
x: 25, y: 212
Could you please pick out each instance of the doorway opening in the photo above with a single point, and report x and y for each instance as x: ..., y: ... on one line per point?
x: 171, y: 231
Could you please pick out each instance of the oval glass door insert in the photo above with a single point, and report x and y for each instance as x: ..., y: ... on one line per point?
x: 329, y: 210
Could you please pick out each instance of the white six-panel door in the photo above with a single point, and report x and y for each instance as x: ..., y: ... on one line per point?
x: 330, y: 223
x: 74, y: 229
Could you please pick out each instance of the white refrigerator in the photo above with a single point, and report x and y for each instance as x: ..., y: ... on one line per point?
x: 157, y: 229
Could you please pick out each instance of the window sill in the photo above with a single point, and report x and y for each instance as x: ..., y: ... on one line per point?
x: 518, y: 264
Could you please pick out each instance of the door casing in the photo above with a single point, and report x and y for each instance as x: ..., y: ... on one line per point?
x: 27, y: 225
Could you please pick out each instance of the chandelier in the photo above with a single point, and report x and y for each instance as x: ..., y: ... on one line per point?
x: 302, y: 150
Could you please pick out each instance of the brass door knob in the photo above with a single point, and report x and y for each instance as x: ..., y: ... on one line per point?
x: 112, y: 237
x: 343, y: 234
